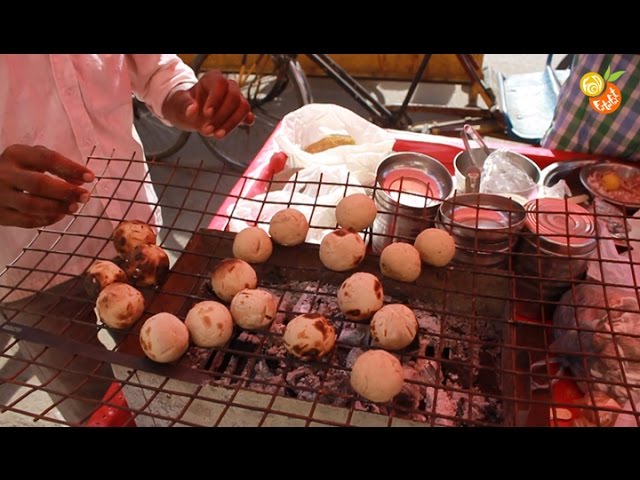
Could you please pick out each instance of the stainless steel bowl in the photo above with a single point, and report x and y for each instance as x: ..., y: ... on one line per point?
x: 484, y: 227
x: 623, y: 170
x: 487, y: 217
x: 409, y: 190
x: 462, y: 162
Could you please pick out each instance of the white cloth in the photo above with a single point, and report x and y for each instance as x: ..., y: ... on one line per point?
x: 71, y: 104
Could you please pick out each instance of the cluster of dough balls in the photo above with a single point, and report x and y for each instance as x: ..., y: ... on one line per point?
x: 356, y: 212
x: 394, y: 327
x: 147, y: 265
x: 252, y: 245
x: 377, y: 376
x: 164, y: 338
x: 436, y: 247
x: 342, y: 250
x: 288, y: 227
x: 309, y: 336
x: 400, y: 261
x: 119, y: 305
x: 230, y: 276
x: 130, y: 234
x: 360, y: 296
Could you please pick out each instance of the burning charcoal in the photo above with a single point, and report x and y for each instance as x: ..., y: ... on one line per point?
x: 368, y: 407
x: 306, y: 378
x: 354, y: 334
x: 411, y: 394
x: 353, y: 356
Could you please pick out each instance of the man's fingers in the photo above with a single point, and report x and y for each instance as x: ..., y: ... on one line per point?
x: 217, y: 88
x: 41, y: 159
x: 226, y: 110
x: 235, y: 119
x: 34, y: 205
x: 46, y: 186
x: 20, y: 219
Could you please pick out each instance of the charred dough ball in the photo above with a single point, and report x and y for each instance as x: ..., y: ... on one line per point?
x: 120, y: 305
x: 231, y: 276
x: 342, y: 250
x: 253, y: 309
x: 147, y: 265
x: 360, y: 296
x: 309, y: 336
x: 288, y: 227
x: 252, y: 245
x: 210, y: 324
x: 377, y: 376
x: 394, y: 327
x: 356, y: 212
x: 101, y: 274
x: 164, y: 338
x: 436, y: 247
x: 401, y: 262
x: 131, y: 233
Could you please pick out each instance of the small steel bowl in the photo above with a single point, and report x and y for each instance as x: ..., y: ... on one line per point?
x: 489, y: 219
x: 402, y: 215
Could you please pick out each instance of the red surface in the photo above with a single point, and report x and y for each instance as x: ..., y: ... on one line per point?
x: 111, y: 415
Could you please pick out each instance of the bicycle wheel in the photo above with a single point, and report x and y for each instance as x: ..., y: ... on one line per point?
x: 158, y: 140
x: 274, y: 85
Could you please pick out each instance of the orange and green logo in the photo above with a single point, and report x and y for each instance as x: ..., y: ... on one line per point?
x: 604, y: 96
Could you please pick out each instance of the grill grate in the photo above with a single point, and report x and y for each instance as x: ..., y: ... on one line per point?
x: 476, y: 360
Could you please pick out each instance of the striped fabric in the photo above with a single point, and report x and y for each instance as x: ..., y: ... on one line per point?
x: 577, y: 127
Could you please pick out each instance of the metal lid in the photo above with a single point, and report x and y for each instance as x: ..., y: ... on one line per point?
x: 413, y: 180
x: 562, y: 227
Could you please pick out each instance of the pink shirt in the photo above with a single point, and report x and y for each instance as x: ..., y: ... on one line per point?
x: 71, y: 104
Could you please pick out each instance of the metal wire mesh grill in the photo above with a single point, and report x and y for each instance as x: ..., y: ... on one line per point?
x: 476, y: 360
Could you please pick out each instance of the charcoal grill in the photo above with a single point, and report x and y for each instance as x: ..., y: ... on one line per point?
x: 476, y: 360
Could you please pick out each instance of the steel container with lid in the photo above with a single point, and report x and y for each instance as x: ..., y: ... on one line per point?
x: 484, y: 227
x: 553, y: 252
x: 409, y: 189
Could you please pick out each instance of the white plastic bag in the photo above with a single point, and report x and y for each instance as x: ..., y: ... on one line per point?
x: 313, y: 122
x: 315, y: 201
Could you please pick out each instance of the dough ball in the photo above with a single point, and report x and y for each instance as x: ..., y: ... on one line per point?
x: 309, y: 336
x: 101, y: 274
x: 253, y: 309
x: 252, y: 245
x: 401, y: 261
x: 120, y: 305
x: 131, y: 233
x: 436, y: 247
x: 360, y: 296
x: 330, y: 141
x: 342, y: 250
x: 164, y: 338
x: 394, y: 326
x: 230, y: 276
x: 210, y: 324
x: 288, y: 227
x: 377, y: 376
x: 356, y: 212
x: 147, y: 265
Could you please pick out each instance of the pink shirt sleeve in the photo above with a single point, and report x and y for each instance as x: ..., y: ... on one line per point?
x: 153, y: 77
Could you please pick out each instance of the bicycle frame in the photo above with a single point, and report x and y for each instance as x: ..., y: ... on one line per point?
x: 395, y: 116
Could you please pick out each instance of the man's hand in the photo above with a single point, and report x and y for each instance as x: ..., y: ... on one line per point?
x: 28, y: 197
x: 213, y: 107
